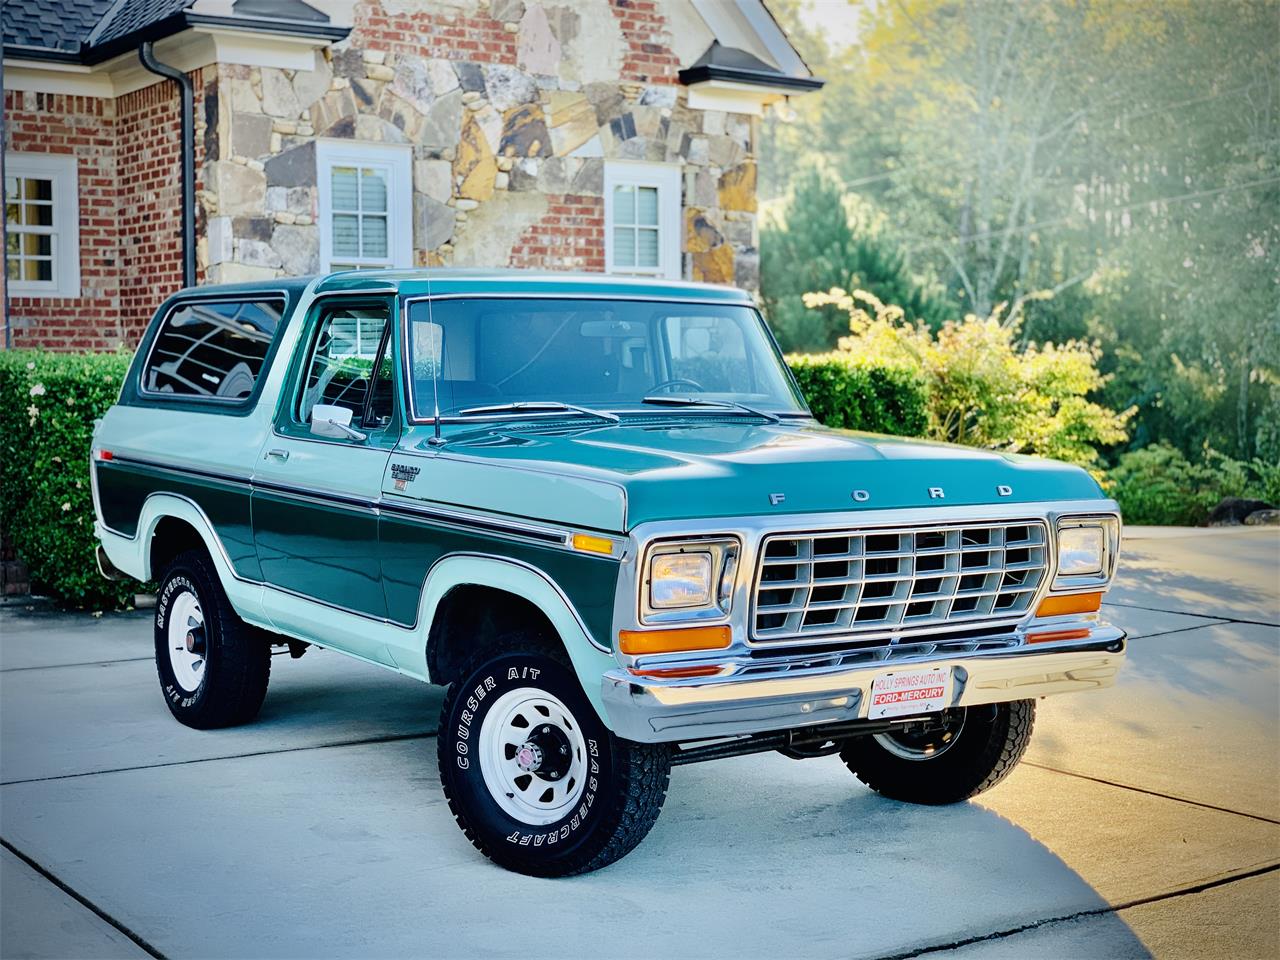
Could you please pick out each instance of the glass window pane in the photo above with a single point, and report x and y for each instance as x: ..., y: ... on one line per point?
x: 646, y: 248
x: 37, y: 244
x: 11, y: 212
x: 374, y: 237
x: 212, y: 349
x: 624, y: 204
x: 11, y: 187
x: 11, y: 241
x: 603, y: 354
x: 373, y: 191
x: 624, y: 247
x: 344, y: 189
x: 343, y: 361
x: 346, y: 235
x: 37, y: 189
x: 38, y: 215
x: 14, y: 271
x: 37, y: 269
x: 647, y: 206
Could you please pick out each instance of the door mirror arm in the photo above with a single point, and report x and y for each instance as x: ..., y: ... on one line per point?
x: 334, y: 421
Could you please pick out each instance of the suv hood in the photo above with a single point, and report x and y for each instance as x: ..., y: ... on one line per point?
x: 618, y: 476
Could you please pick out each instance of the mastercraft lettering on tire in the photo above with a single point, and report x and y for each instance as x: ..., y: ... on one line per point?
x: 598, y: 512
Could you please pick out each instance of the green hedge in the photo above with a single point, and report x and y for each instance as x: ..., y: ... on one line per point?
x: 48, y: 403
x: 846, y: 391
x: 1158, y: 485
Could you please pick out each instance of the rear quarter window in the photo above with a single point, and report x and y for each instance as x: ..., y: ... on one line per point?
x: 212, y: 350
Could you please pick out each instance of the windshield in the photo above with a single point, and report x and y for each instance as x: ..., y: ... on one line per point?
x: 607, y: 354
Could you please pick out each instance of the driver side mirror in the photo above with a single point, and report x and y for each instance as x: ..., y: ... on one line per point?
x: 334, y: 421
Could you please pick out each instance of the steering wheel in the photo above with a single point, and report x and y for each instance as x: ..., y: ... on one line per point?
x: 678, y: 382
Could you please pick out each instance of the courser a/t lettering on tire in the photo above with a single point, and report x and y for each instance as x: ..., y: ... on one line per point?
x: 535, y: 780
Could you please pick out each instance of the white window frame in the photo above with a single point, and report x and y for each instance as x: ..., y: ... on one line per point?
x: 666, y: 178
x: 397, y: 160
x: 61, y: 169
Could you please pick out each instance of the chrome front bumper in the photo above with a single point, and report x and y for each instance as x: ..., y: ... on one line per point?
x: 665, y: 711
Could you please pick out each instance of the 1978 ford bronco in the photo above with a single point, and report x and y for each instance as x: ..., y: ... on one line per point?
x: 599, y: 511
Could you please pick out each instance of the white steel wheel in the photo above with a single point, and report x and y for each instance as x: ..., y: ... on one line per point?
x: 532, y: 756
x: 187, y: 641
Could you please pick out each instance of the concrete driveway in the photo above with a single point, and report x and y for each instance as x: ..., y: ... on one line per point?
x: 1145, y: 820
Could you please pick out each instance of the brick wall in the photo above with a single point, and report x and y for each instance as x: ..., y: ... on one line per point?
x: 445, y: 33
x: 128, y: 153
x: 569, y: 237
x: 649, y: 58
x: 149, y: 218
x: 84, y: 126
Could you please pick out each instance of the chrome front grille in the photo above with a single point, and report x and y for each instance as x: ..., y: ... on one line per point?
x: 896, y: 579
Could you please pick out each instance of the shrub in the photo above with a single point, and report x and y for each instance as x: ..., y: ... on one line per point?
x: 848, y: 391
x: 982, y: 389
x: 48, y: 405
x: 1159, y: 485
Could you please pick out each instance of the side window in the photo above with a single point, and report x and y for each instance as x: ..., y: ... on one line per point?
x: 213, y: 349
x: 350, y: 366
x: 711, y: 351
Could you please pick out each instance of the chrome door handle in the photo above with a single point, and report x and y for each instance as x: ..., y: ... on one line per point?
x: 281, y: 455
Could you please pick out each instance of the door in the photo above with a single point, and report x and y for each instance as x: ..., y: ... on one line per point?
x: 315, y: 522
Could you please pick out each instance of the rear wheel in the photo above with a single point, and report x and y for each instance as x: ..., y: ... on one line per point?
x: 972, y: 750
x: 213, y: 667
x: 534, y: 778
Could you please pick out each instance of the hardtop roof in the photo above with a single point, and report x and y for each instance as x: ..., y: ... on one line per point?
x: 438, y: 281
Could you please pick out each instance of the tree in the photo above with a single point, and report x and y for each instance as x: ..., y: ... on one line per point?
x: 823, y: 239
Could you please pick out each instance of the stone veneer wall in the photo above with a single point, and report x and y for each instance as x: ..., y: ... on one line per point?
x: 511, y: 108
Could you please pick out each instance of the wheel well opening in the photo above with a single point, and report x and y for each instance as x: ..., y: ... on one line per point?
x: 170, y: 538
x: 471, y: 617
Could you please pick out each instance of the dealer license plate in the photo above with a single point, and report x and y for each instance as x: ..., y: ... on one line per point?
x: 906, y: 692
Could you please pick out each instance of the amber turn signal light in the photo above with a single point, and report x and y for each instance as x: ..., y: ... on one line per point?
x: 589, y: 544
x: 635, y: 642
x: 1073, y: 603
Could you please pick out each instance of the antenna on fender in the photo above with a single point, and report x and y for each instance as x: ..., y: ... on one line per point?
x: 437, y: 364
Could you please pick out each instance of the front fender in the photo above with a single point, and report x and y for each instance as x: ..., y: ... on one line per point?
x: 589, y: 659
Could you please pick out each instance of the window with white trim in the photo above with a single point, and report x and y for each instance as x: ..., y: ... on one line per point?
x: 366, y: 205
x: 42, y: 224
x: 642, y: 219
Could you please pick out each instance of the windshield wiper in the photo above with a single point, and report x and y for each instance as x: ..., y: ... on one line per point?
x: 540, y: 406
x: 699, y: 401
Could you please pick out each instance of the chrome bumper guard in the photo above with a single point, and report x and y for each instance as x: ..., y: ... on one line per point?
x: 666, y: 711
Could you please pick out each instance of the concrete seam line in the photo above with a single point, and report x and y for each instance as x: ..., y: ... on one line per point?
x: 1201, y: 887
x: 1202, y: 616
x: 1151, y: 793
x: 392, y: 738
x: 82, y: 900
x: 1165, y: 633
x: 86, y: 663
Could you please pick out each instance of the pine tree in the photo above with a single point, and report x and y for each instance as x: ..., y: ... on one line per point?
x: 814, y: 246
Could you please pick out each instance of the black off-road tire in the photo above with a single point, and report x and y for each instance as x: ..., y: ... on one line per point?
x: 237, y: 659
x: 625, y: 789
x: 986, y: 750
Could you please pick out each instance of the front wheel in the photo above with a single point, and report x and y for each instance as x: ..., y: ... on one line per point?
x: 972, y: 750
x: 536, y: 781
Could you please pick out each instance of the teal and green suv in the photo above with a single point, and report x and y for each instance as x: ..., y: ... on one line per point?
x: 598, y: 511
